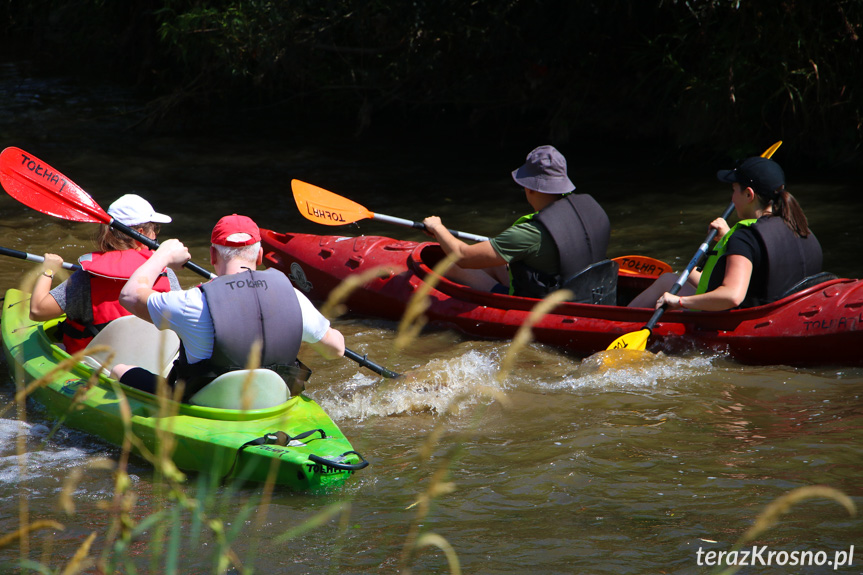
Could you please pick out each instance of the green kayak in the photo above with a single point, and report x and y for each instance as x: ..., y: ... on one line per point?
x: 289, y: 439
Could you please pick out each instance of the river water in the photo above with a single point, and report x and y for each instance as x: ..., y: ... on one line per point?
x: 564, y: 466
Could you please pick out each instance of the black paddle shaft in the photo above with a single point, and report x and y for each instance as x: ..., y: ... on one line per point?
x: 154, y: 245
x: 693, y: 263
x: 363, y: 361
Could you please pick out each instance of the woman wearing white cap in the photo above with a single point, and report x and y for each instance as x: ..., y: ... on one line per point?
x: 89, y: 297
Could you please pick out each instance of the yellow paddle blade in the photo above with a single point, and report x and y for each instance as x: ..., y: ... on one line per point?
x: 634, y: 340
x: 324, y: 207
x: 642, y: 265
x: 769, y: 151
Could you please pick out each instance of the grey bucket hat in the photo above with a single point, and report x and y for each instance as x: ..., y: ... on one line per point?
x: 544, y: 171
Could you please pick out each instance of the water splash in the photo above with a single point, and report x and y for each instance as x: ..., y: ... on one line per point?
x: 441, y: 386
x: 636, y: 370
x: 42, y: 460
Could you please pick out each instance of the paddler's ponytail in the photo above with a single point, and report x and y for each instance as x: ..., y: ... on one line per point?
x: 786, y: 207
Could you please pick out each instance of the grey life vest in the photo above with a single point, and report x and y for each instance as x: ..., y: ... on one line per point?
x: 254, y: 306
x: 247, y: 307
x: 580, y: 229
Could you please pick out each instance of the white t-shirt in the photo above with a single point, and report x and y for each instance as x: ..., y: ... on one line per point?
x: 186, y: 313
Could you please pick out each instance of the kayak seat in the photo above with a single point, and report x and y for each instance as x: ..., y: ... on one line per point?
x: 134, y: 341
x: 808, y: 282
x: 265, y: 389
x: 596, y: 284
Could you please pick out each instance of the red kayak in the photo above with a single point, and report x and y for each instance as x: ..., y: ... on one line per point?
x: 819, y: 325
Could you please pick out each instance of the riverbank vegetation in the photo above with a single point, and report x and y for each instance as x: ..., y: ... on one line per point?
x: 700, y: 77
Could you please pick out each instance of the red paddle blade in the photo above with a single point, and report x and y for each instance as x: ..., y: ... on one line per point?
x: 39, y: 186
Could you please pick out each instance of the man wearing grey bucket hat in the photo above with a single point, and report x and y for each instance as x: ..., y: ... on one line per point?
x: 566, y: 233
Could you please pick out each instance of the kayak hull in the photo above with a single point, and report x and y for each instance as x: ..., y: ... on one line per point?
x: 821, y: 325
x: 195, y: 438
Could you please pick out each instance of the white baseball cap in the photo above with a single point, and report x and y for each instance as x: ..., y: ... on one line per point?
x: 133, y: 210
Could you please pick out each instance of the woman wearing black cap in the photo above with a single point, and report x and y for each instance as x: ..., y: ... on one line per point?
x: 761, y: 257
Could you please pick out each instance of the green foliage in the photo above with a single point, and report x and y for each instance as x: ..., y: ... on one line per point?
x: 709, y: 74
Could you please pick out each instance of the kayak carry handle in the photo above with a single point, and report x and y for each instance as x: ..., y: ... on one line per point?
x: 339, y: 465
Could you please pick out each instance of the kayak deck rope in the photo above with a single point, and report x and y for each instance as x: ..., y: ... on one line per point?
x: 273, y: 438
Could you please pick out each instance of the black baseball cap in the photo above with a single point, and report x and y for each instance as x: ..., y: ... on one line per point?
x: 761, y: 174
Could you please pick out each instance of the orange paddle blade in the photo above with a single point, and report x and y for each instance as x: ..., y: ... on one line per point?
x: 324, y: 207
x: 636, y: 340
x: 642, y: 265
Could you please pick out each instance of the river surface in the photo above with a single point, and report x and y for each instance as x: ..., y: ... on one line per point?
x: 565, y: 466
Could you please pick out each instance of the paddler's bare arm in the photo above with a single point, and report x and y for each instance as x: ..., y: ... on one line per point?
x: 43, y: 306
x: 331, y: 345
x: 729, y: 295
x: 133, y: 296
x: 471, y: 256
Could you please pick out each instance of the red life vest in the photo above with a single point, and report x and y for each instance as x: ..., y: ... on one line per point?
x: 109, y: 272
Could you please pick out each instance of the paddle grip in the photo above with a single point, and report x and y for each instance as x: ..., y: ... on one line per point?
x: 421, y: 226
x: 467, y: 236
x: 455, y: 233
x: 154, y: 245
x: 34, y: 258
x: 364, y: 361
x: 693, y: 263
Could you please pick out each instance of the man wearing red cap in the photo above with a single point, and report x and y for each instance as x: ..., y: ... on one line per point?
x: 220, y: 321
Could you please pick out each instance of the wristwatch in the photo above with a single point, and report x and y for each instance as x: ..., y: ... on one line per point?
x: 48, y: 273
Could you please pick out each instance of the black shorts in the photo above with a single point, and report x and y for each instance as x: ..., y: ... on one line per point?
x: 140, y: 378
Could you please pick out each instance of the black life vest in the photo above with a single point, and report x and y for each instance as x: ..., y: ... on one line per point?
x: 580, y: 229
x: 789, y: 258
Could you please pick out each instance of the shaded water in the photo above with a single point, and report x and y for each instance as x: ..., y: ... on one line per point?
x: 577, y: 469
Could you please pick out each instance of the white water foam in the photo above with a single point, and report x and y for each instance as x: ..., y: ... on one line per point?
x: 40, y: 459
x: 441, y: 386
x: 633, y: 371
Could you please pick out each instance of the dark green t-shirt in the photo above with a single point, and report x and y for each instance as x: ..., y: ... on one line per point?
x: 528, y: 242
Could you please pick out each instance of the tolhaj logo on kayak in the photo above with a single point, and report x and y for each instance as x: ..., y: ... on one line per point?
x: 641, y: 267
x: 241, y: 284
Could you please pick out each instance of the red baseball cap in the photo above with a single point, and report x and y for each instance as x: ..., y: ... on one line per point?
x: 235, y: 231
